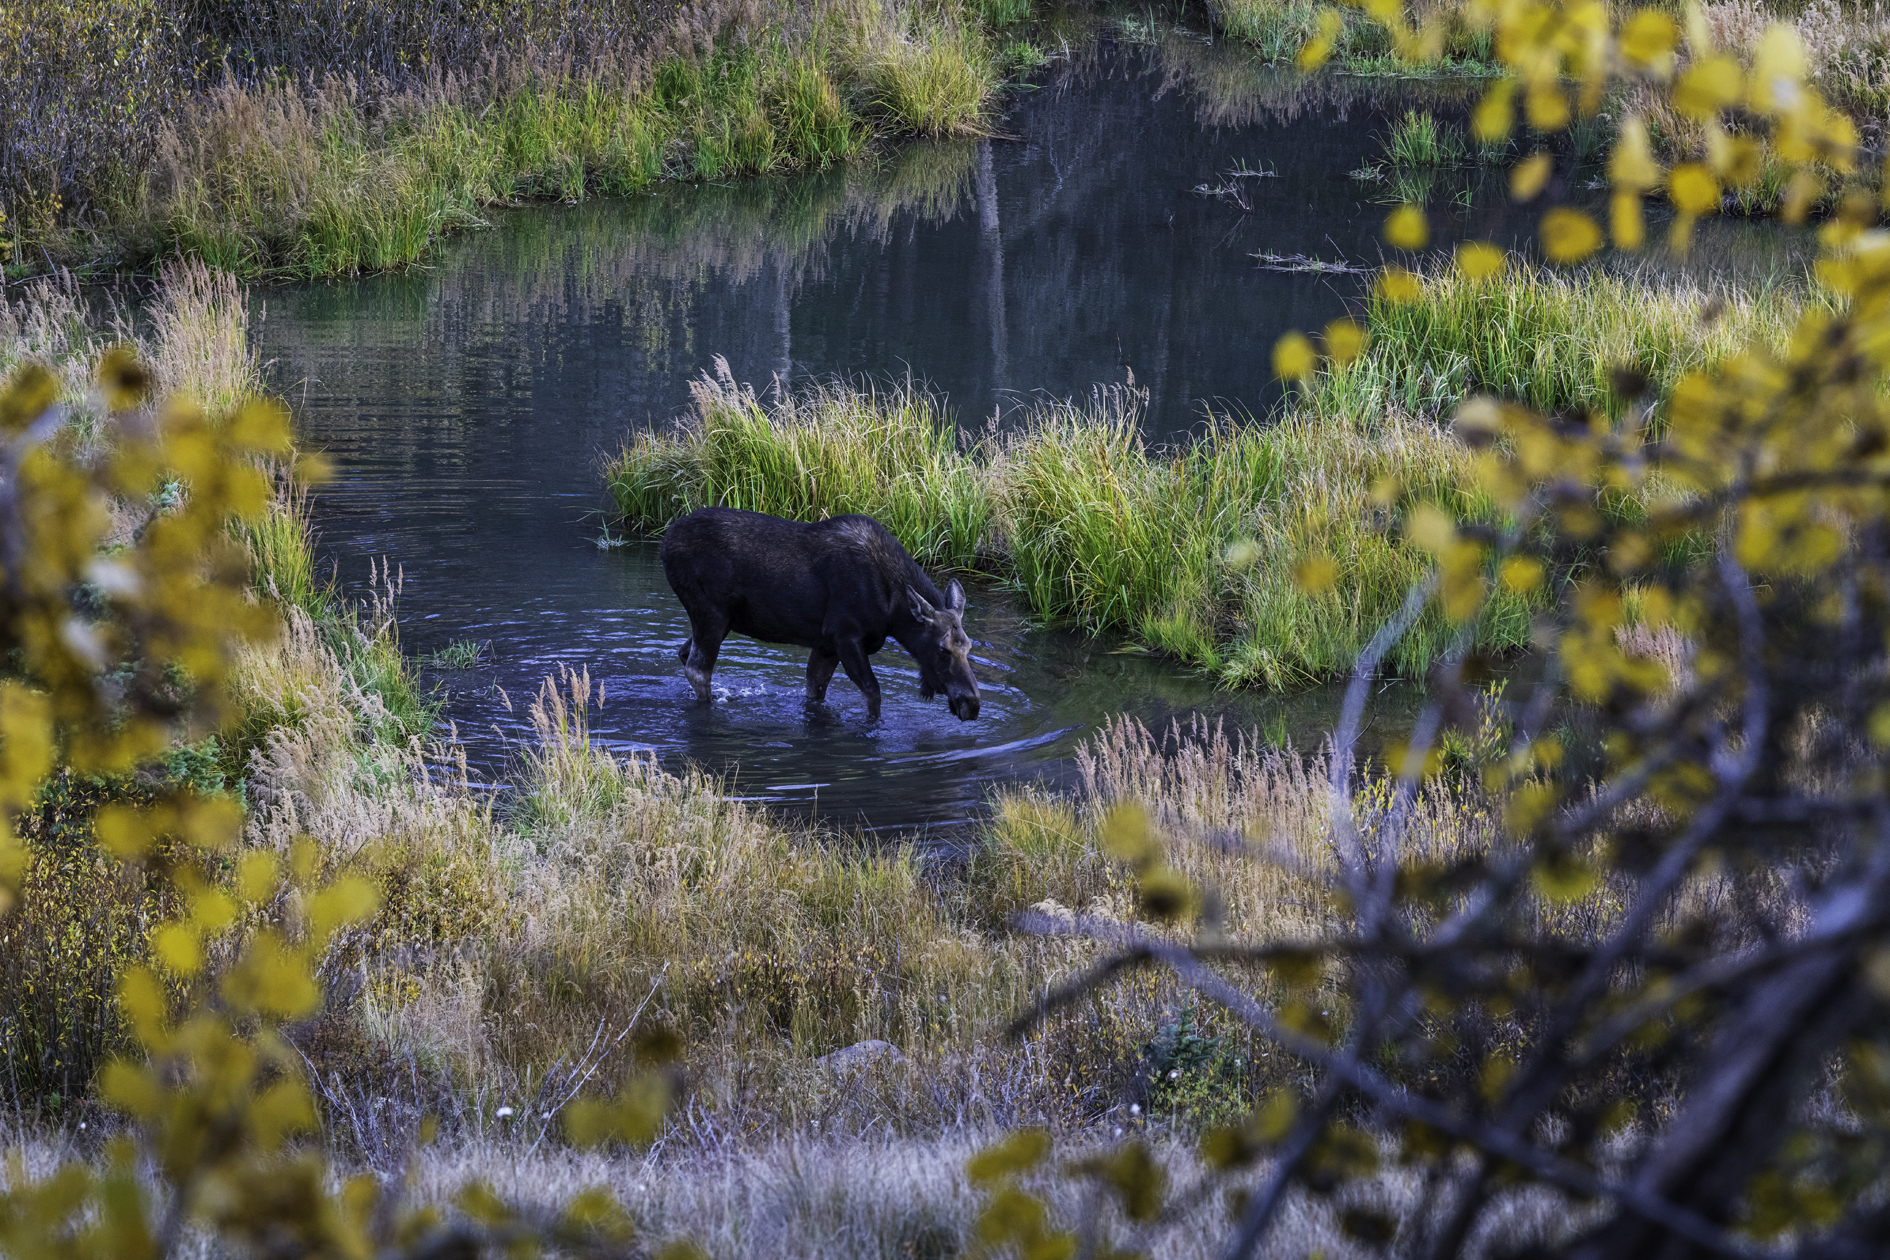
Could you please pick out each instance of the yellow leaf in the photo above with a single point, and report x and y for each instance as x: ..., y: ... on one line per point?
x: 1242, y: 553
x: 1407, y: 228
x: 1625, y: 221
x: 1778, y: 70
x: 1395, y: 284
x: 1431, y: 528
x: 1166, y: 895
x: 179, y: 948
x: 273, y: 979
x: 1693, y: 189
x: 123, y: 831
x: 1345, y: 341
x: 1316, y: 574
x: 211, y: 910
x: 260, y: 425
x: 280, y: 1110
x: 256, y: 876
x: 347, y: 900
x: 1561, y: 878
x: 131, y: 1089
x: 1800, y: 195
x: 1320, y: 46
x: 1530, y: 176
x: 1631, y: 163
x: 211, y: 822
x: 1648, y: 40
x: 1274, y: 1118
x: 1568, y: 235
x: 1127, y: 837
x: 1480, y: 260
x: 1495, y: 115
x: 1018, y: 1153
x: 122, y: 379
x: 1294, y: 357
x: 1739, y: 160
x: 142, y: 999
x: 1547, y: 106
x: 1521, y: 575
x: 1708, y: 86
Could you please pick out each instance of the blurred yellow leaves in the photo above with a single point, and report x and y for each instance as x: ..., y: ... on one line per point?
x: 1294, y: 357
x: 1407, y: 228
x: 1316, y: 574
x: 1531, y: 176
x: 1711, y: 84
x: 1648, y: 40
x: 1345, y: 341
x: 1395, y: 284
x: 1480, y: 260
x: 1325, y: 39
x: 1568, y: 236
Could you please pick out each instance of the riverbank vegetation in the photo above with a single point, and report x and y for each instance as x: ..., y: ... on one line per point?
x: 1196, y: 551
x: 1458, y: 999
x: 281, y: 143
x: 517, y: 953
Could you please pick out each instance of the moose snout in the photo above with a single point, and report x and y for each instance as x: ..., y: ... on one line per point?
x: 965, y: 707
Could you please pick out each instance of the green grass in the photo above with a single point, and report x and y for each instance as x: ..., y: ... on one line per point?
x: 459, y: 654
x: 1277, y: 29
x: 279, y: 179
x: 1418, y: 140
x: 1549, y: 339
x: 1095, y: 529
x: 1091, y: 526
x: 892, y: 454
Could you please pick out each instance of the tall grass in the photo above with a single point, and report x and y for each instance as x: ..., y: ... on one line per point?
x: 826, y: 451
x: 1553, y: 340
x: 315, y: 171
x: 1087, y: 522
x: 1278, y: 29
x: 1418, y: 140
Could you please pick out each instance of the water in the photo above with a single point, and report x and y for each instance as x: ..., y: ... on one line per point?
x: 1106, y: 238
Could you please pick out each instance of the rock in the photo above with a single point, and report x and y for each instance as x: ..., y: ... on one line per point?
x: 861, y: 1053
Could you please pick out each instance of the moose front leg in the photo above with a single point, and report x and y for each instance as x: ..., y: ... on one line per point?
x: 820, y: 667
x: 860, y: 670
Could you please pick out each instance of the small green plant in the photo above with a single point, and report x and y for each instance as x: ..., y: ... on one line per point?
x: 459, y: 654
x: 1418, y: 141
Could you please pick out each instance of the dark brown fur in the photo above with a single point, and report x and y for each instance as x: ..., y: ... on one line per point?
x: 840, y: 587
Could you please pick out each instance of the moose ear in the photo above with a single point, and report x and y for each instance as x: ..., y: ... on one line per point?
x: 920, y: 609
x: 955, y: 597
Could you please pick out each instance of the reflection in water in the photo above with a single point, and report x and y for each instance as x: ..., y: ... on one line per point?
x: 466, y: 406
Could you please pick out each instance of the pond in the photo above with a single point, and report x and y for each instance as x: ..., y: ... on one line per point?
x: 1107, y: 236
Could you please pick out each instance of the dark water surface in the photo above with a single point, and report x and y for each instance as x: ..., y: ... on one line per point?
x: 467, y: 405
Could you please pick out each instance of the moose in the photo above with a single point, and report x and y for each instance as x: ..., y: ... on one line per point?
x: 839, y: 587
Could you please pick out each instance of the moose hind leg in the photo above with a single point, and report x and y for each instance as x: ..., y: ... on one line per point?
x: 820, y: 667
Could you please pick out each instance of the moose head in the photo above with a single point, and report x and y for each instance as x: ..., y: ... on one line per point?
x: 943, y: 650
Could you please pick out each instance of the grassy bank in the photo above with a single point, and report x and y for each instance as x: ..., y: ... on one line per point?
x: 1089, y: 523
x: 1194, y: 551
x: 296, y: 161
x: 1552, y: 340
x: 510, y: 934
